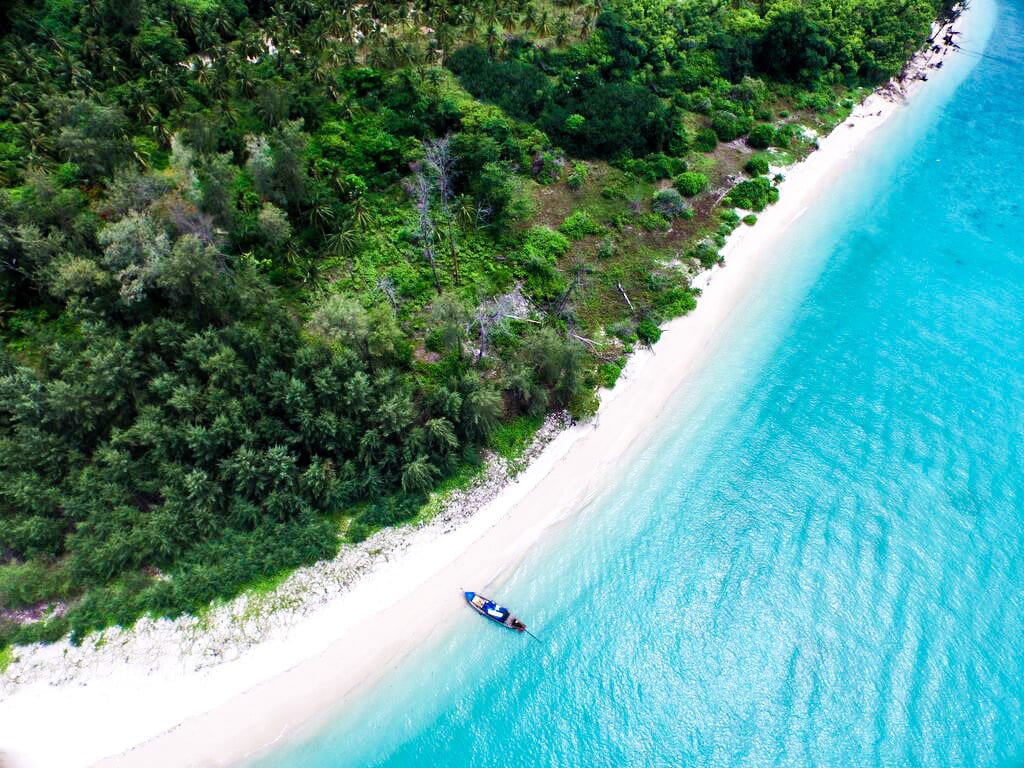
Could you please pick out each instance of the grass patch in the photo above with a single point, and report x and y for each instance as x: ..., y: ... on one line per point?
x: 6, y: 658
x: 459, y: 480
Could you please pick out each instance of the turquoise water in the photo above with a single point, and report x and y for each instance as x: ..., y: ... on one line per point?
x: 818, y: 557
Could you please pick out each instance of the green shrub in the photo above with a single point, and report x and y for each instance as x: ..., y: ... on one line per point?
x: 26, y: 584
x: 730, y: 217
x: 574, y: 123
x: 578, y: 176
x: 545, y: 243
x: 761, y: 136
x: 606, y: 249
x: 705, y: 141
x: 584, y: 403
x: 652, y: 222
x: 639, y: 168
x: 706, y: 254
x: 608, y: 373
x: 538, y: 263
x: 579, y: 225
x: 664, y: 166
x: 750, y: 219
x: 784, y: 136
x: 546, y: 168
x: 757, y: 165
x: 691, y: 183
x: 728, y: 126
x: 674, y: 302
x: 624, y: 330
x: 669, y: 203
x: 615, y: 190
x: 753, y: 194
x: 648, y: 332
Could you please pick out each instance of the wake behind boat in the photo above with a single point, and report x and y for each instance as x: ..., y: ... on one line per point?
x: 496, y: 613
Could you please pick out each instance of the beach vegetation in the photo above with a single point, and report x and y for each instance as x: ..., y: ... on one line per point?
x: 690, y: 183
x: 669, y: 203
x: 752, y: 194
x: 756, y: 165
x: 761, y: 136
x: 580, y: 224
x: 648, y: 332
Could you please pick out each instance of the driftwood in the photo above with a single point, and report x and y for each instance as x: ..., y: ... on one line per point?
x: 595, y: 348
x: 623, y: 292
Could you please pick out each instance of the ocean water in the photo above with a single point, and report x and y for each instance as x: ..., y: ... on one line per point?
x: 817, y: 558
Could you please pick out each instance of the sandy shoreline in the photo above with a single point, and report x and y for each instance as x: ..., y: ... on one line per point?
x: 163, y: 711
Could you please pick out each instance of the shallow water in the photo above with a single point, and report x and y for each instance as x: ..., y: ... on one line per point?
x: 816, y: 559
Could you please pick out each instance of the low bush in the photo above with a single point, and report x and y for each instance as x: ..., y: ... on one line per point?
x: 648, y: 332
x: 761, y: 136
x: 652, y: 222
x: 579, y: 225
x: 669, y: 203
x: 727, y: 126
x: 674, y: 302
x: 753, y: 194
x: 608, y: 373
x: 757, y: 165
x: 705, y: 141
x: 690, y: 183
x: 577, y: 176
x: 706, y: 254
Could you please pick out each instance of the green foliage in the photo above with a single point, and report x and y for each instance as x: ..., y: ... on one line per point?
x: 690, y: 183
x: 761, y: 136
x: 608, y: 373
x: 23, y: 585
x: 728, y: 126
x: 706, y: 254
x: 652, y: 222
x: 577, y: 176
x: 648, y: 332
x: 706, y: 140
x: 753, y: 194
x: 580, y: 224
x: 756, y: 165
x: 538, y: 260
x: 669, y: 203
x: 750, y: 219
x: 511, y: 438
x: 547, y: 167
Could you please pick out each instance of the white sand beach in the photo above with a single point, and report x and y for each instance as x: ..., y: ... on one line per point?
x: 143, y: 703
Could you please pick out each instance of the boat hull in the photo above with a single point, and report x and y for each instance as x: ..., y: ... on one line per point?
x: 491, y: 611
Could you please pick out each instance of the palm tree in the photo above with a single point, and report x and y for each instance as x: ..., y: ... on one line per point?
x: 492, y: 38
x: 344, y: 241
x: 544, y: 25
x: 530, y: 17
x: 509, y: 18
x: 563, y: 28
x: 362, y: 217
